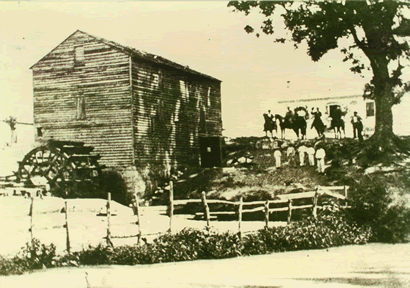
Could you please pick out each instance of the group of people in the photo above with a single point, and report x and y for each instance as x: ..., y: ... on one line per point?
x: 300, y: 155
x: 318, y: 124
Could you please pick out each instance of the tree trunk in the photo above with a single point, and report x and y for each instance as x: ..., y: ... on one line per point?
x: 384, y: 116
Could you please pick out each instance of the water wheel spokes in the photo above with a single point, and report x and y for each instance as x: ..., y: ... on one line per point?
x: 68, y: 167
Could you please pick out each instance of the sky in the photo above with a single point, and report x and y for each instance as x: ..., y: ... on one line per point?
x: 206, y: 36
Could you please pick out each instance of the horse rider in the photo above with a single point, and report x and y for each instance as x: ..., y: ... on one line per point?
x: 336, y: 117
x: 270, y: 123
x: 317, y: 122
x: 270, y: 115
x: 288, y: 116
x: 357, y: 126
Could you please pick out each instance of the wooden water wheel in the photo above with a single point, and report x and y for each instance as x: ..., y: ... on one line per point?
x: 69, y: 167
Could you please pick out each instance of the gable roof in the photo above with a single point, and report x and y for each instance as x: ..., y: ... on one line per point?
x: 138, y: 54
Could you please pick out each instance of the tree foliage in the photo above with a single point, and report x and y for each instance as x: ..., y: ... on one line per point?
x: 377, y: 28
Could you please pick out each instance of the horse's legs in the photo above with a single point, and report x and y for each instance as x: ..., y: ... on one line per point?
x: 297, y: 132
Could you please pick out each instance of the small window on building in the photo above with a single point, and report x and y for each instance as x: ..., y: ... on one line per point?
x: 39, y: 131
x: 80, y: 107
x: 369, y: 109
x: 79, y: 58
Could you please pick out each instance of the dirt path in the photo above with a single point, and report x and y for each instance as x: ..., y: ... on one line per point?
x: 372, y: 265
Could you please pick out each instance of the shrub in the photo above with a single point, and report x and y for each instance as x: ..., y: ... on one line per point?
x: 35, y: 256
x: 328, y: 230
x: 331, y: 228
x: 95, y: 255
x: 374, y: 205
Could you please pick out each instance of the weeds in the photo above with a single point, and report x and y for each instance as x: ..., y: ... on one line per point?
x: 329, y: 229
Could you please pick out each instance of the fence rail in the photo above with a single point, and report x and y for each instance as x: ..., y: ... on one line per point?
x: 265, y: 206
x: 261, y: 206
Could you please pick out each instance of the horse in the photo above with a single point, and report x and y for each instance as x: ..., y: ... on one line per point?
x: 318, y: 124
x: 295, y: 122
x: 270, y: 124
x: 338, y: 125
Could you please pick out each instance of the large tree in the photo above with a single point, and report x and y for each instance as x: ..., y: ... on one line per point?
x: 377, y: 28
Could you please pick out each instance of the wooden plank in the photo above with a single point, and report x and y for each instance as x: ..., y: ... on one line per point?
x: 240, y: 208
x: 186, y: 201
x: 302, y: 207
x: 303, y: 195
x: 271, y: 210
x: 331, y: 188
x: 206, y: 209
x: 171, y: 204
x: 332, y: 194
x: 266, y: 208
x: 257, y: 209
x: 289, y: 210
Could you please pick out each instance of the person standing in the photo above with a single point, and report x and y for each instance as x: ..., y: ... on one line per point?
x: 310, y: 151
x: 302, y: 152
x: 290, y: 156
x: 320, y: 160
x: 278, y: 158
x: 357, y: 126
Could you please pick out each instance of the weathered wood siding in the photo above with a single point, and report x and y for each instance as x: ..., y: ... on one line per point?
x: 167, y: 114
x: 138, y: 112
x: 104, y: 84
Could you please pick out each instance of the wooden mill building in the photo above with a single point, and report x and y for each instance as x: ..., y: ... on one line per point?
x: 141, y: 112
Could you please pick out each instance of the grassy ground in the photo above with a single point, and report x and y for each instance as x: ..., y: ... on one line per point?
x: 258, y: 178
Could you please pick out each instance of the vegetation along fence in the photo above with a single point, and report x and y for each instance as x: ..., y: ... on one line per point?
x: 287, y: 204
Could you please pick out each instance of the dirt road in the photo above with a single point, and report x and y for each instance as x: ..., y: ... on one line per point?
x: 372, y: 265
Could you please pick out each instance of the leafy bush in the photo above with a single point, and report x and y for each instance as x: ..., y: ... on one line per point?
x: 35, y: 256
x: 374, y: 205
x: 331, y: 228
x: 99, y: 255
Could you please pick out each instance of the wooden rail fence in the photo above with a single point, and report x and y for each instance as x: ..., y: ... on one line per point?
x: 265, y: 207
x: 288, y: 200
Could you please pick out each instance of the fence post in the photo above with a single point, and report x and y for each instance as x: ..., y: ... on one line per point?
x: 290, y: 210
x: 314, y: 209
x: 31, y: 220
x: 171, y: 204
x: 66, y: 227
x: 137, y: 208
x: 109, y: 242
x: 240, y: 216
x: 346, y: 194
x: 206, y: 207
x: 267, y: 214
